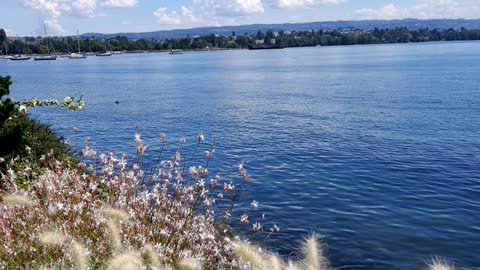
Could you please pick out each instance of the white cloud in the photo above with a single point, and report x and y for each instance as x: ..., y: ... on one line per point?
x: 47, y: 8
x: 53, y: 27
x: 173, y: 18
x: 118, y: 3
x: 386, y: 12
x: 209, y: 12
x: 229, y: 7
x: 290, y: 4
x: 424, y: 9
x: 84, y: 8
x: 245, y: 7
x: 50, y: 11
x: 427, y: 9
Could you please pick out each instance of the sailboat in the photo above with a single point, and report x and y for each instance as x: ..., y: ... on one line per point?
x: 19, y: 57
x: 68, y: 50
x: 6, y: 57
x: 48, y: 56
x: 78, y: 55
x: 90, y: 47
x: 106, y: 53
x: 117, y: 51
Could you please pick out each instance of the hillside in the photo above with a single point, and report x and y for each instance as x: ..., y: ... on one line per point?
x: 328, y: 25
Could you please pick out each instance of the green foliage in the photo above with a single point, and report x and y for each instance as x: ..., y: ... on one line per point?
x: 17, y: 131
x: 7, y: 107
x: 334, y: 37
x: 5, y: 86
x: 3, y: 37
x: 11, y: 131
x: 11, y: 138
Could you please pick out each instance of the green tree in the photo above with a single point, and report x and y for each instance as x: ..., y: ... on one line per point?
x: 11, y: 133
x: 3, y: 38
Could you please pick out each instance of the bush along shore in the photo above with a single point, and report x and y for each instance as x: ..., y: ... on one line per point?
x: 304, y: 38
x: 65, y: 209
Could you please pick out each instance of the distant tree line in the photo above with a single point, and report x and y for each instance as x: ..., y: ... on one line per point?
x: 38, y: 45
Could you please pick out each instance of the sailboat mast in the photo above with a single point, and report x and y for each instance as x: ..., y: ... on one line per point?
x: 46, y: 39
x: 78, y: 38
x: 19, y: 48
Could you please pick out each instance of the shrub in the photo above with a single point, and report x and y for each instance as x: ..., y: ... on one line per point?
x: 18, y: 132
x: 113, y: 211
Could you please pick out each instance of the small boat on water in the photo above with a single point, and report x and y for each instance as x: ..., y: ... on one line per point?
x: 6, y: 56
x: 78, y: 55
x: 19, y: 57
x: 117, y: 49
x: 175, y: 52
x: 45, y: 58
x: 48, y: 57
x: 265, y: 47
x: 105, y: 53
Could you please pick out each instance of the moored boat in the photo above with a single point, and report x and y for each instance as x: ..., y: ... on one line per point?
x: 48, y: 57
x: 78, y: 55
x: 104, y: 54
x: 265, y: 47
x: 20, y: 58
x: 175, y: 52
x: 6, y: 56
x: 45, y: 58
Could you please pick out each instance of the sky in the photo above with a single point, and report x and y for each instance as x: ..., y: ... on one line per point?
x: 65, y: 17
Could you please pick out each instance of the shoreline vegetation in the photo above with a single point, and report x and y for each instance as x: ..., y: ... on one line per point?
x: 309, y: 38
x: 66, y: 208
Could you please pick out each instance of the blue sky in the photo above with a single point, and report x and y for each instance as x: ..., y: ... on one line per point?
x: 63, y: 17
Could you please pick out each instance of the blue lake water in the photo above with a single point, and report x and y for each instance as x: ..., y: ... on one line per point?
x: 376, y: 148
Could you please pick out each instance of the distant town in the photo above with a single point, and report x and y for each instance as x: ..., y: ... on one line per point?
x: 304, y: 38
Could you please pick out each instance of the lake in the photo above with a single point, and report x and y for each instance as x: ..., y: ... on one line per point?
x: 376, y: 148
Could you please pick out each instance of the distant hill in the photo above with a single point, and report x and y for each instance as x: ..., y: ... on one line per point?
x: 328, y: 25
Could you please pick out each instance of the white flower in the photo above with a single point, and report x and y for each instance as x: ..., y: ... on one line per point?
x: 244, y: 218
x: 254, y: 204
x: 257, y: 227
x: 138, y: 140
x: 193, y: 171
x: 200, y: 137
x: 274, y: 229
x: 163, y: 137
x: 22, y: 109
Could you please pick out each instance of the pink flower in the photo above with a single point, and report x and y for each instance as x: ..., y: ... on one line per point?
x: 274, y: 229
x: 244, y: 218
